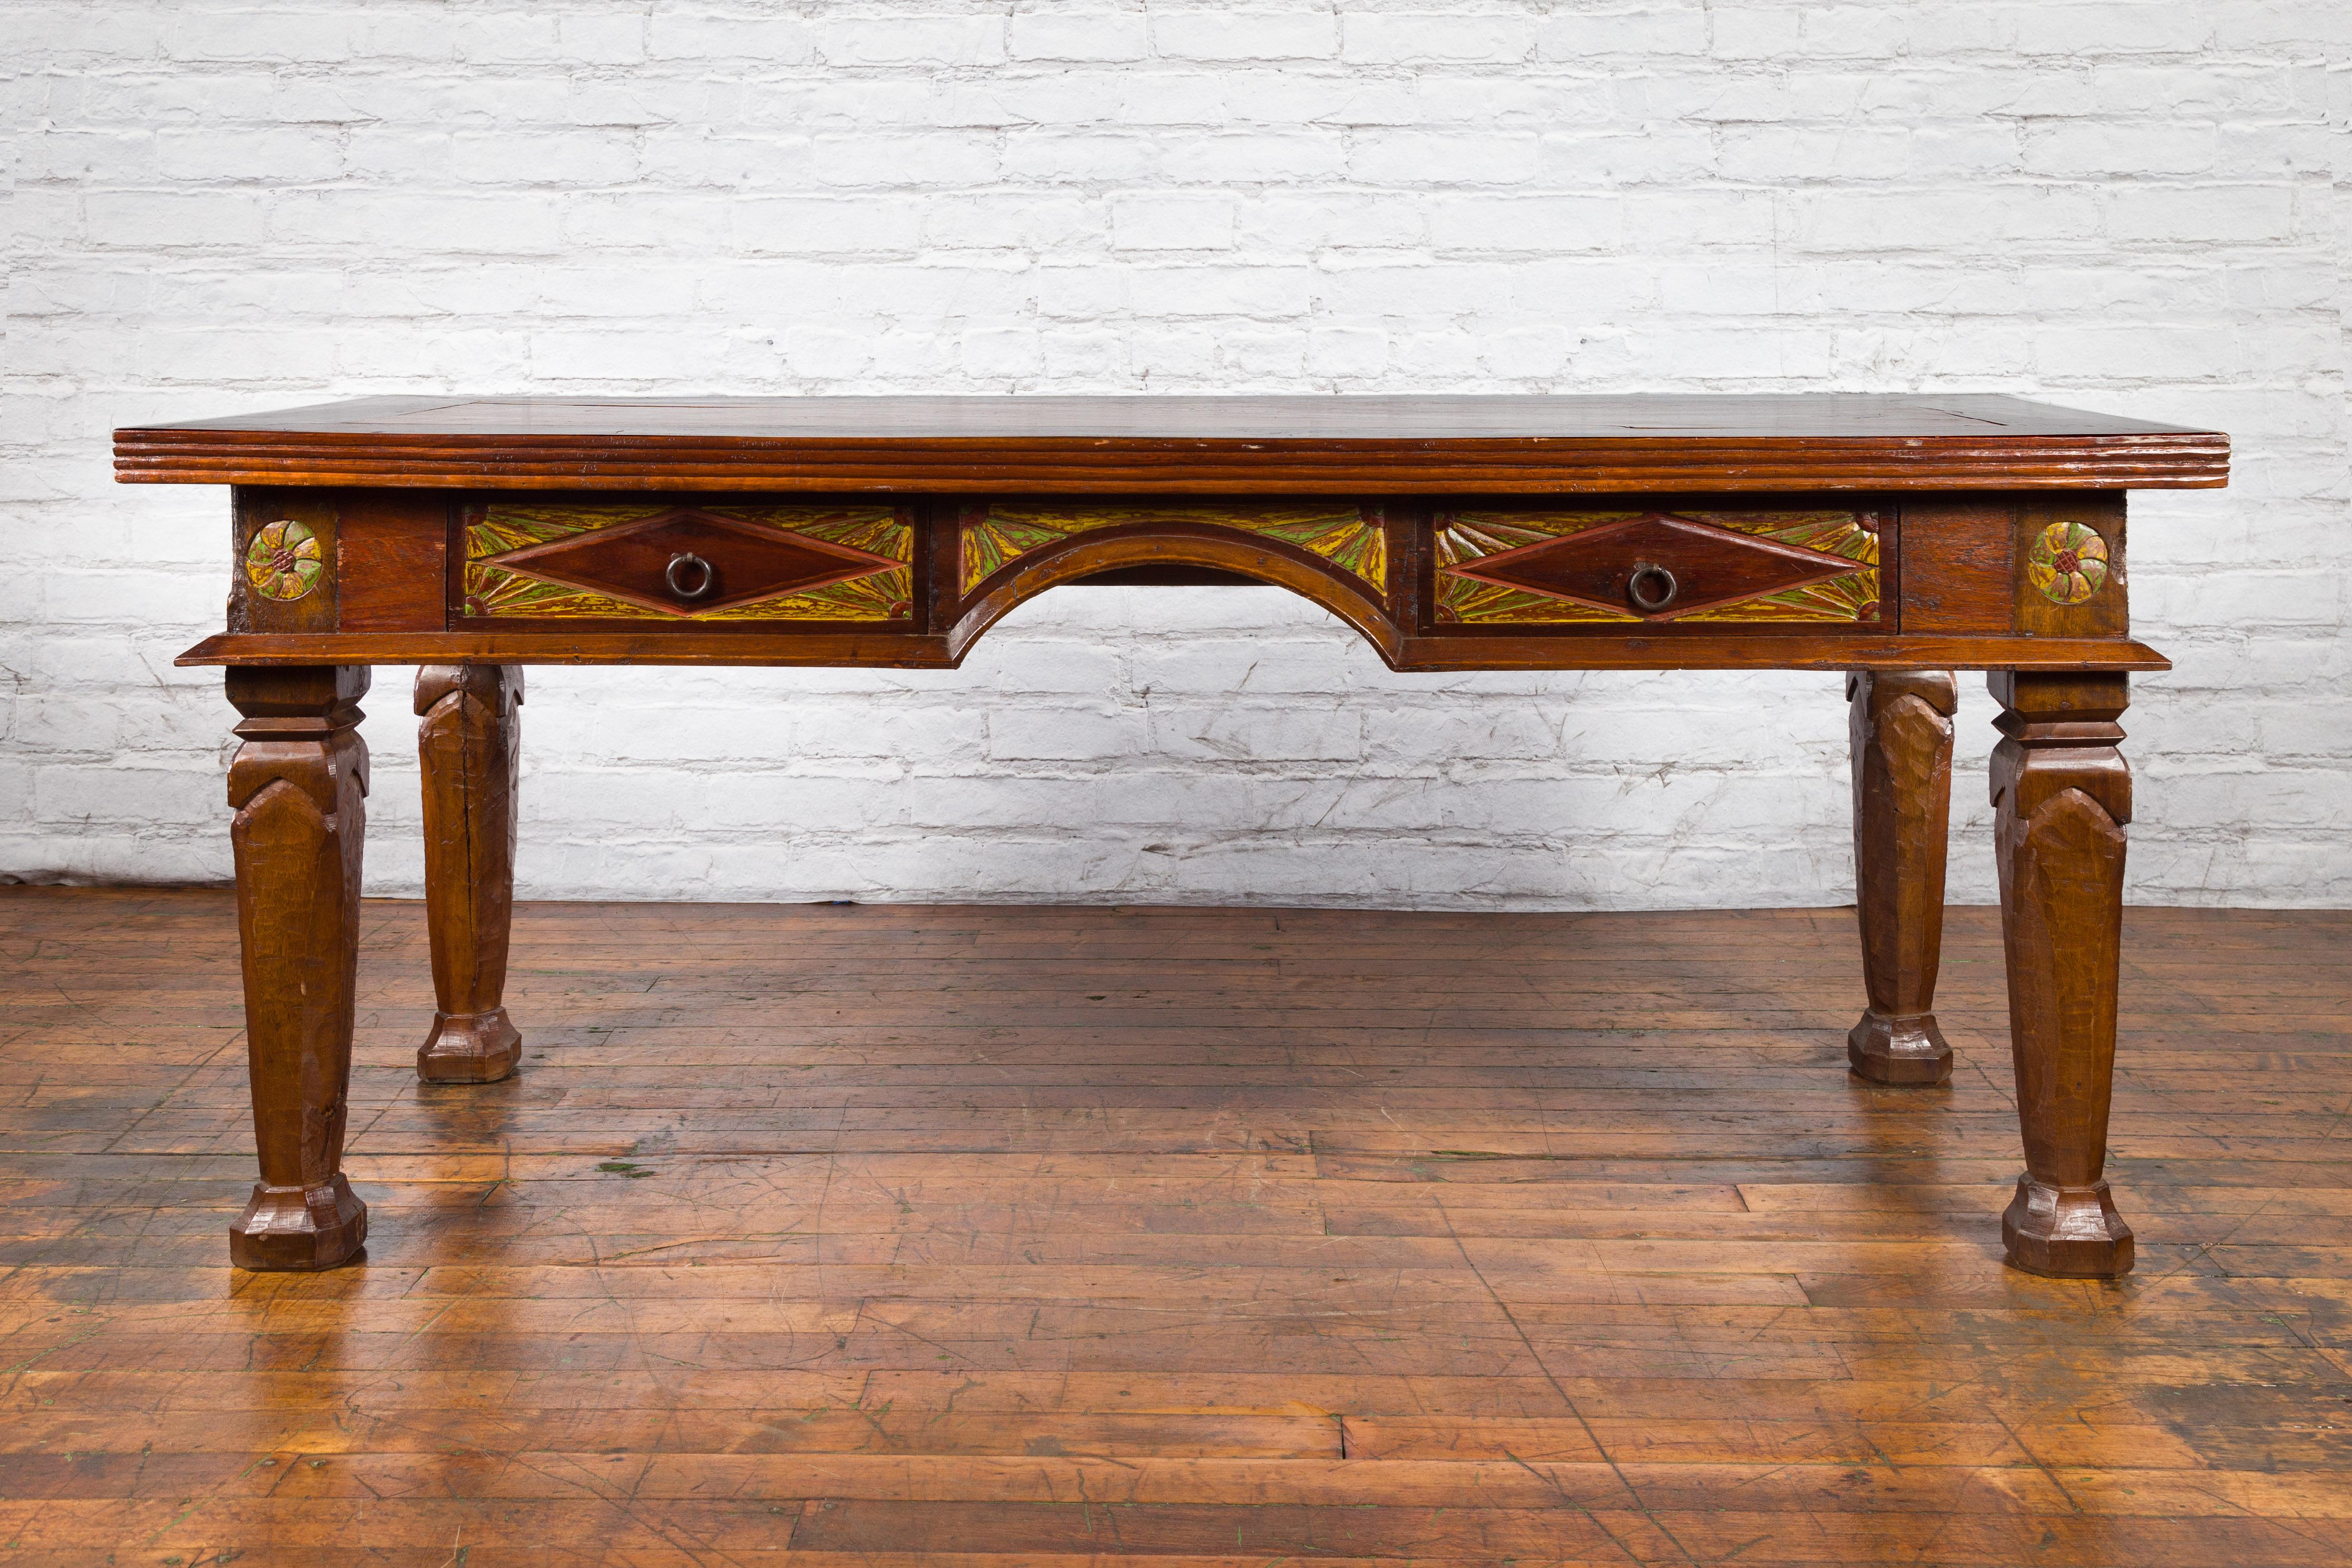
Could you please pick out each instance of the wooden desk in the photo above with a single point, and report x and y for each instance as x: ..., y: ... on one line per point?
x: 1893, y: 537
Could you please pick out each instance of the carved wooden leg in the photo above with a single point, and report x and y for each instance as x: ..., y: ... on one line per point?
x: 2061, y: 796
x: 299, y: 783
x: 468, y: 744
x: 1902, y: 727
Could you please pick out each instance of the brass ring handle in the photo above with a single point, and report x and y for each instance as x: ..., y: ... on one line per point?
x: 1647, y: 602
x: 687, y: 561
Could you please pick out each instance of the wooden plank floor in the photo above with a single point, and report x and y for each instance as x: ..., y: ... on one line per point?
x: 978, y: 1236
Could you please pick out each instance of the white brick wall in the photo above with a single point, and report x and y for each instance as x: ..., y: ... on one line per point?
x: 226, y: 204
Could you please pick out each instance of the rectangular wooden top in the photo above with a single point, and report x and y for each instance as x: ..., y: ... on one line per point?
x: 1133, y: 444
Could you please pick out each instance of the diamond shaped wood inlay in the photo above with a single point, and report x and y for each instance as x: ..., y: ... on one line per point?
x: 1712, y: 566
x: 747, y: 561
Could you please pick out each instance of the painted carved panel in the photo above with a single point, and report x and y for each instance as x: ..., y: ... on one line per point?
x: 709, y: 560
x: 1627, y: 566
x: 994, y: 535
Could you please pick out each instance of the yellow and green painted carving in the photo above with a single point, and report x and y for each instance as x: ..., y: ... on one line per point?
x: 1349, y: 536
x: 2068, y: 563
x: 284, y: 560
x: 1463, y: 537
x: 501, y: 526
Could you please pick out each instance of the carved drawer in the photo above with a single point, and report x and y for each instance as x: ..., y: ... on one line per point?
x: 703, y: 559
x: 1710, y: 562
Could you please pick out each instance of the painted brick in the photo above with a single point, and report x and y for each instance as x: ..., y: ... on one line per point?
x: 882, y: 38
x: 1454, y: 157
x: 1649, y: 32
x: 601, y: 40
x: 1173, y: 222
x: 1064, y: 733
x: 2201, y: 214
x: 2130, y: 206
x: 701, y: 43
x: 1242, y: 735
x: 1222, y: 35
x: 868, y: 162
x: 800, y: 225
x: 1270, y: 156
x: 1392, y: 37
x: 1077, y: 156
x: 199, y: 34
x: 158, y: 220
x: 1076, y: 35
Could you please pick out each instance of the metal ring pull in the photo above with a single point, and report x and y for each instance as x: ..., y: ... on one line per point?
x: 687, y: 561
x: 1647, y: 602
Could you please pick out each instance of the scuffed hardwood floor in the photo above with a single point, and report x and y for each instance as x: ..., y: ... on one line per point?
x: 881, y: 1236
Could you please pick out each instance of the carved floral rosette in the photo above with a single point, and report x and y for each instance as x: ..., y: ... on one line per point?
x: 2067, y: 563
x: 284, y: 560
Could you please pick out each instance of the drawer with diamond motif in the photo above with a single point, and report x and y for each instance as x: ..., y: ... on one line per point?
x: 1714, y: 563
x: 702, y: 560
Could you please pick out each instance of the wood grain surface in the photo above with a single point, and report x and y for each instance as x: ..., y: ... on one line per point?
x: 469, y: 759
x: 887, y: 1235
x: 1109, y: 445
x: 1899, y: 730
x: 299, y: 783
x: 2061, y: 795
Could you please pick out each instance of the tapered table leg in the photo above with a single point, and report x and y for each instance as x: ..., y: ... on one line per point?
x: 1900, y: 725
x: 468, y: 744
x: 298, y: 785
x: 2061, y: 796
